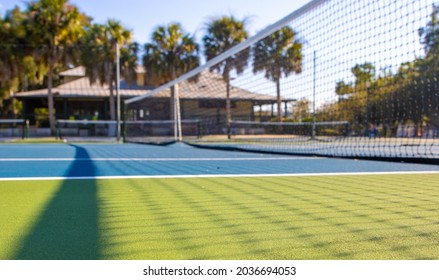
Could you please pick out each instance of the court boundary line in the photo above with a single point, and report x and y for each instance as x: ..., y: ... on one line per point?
x: 161, y: 159
x: 333, y: 174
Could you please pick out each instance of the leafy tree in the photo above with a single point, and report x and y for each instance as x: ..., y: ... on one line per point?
x: 12, y: 33
x: 408, y: 96
x: 99, y: 56
x: 222, y: 34
x: 342, y: 88
x: 430, y: 34
x: 279, y: 54
x: 426, y: 85
x: 171, y: 53
x: 18, y: 69
x: 56, y: 26
x: 302, y: 111
x: 128, y: 61
x: 363, y: 73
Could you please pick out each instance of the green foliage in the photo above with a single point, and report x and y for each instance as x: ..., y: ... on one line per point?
x: 128, y: 61
x: 41, y: 117
x: 99, y: 52
x: 222, y: 34
x: 12, y: 33
x: 301, y: 110
x: 99, y: 55
x: 56, y: 26
x: 343, y: 88
x: 18, y: 67
x: 407, y: 97
x: 430, y: 34
x: 279, y: 54
x: 363, y: 73
x: 171, y: 53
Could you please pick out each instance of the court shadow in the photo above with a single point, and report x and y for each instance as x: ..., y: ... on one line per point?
x: 67, y: 229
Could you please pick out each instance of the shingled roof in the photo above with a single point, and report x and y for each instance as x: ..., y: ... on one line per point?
x: 82, y: 88
x: 209, y: 86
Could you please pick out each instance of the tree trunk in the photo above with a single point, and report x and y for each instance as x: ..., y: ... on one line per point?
x: 279, y: 102
x: 50, y: 102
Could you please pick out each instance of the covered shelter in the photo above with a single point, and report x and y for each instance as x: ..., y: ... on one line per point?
x: 77, y: 98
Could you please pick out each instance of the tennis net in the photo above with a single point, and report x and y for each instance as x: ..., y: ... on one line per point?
x: 336, y: 78
x: 158, y: 132
x: 85, y: 129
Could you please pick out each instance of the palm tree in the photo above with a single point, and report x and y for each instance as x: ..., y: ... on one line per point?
x: 171, y: 53
x: 279, y: 54
x: 222, y: 34
x: 99, y: 56
x: 128, y: 61
x: 56, y: 26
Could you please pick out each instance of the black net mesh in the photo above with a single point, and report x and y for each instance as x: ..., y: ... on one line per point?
x: 338, y: 78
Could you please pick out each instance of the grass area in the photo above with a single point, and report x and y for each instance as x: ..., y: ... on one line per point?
x: 335, y: 217
x: 39, y: 140
x: 53, y: 140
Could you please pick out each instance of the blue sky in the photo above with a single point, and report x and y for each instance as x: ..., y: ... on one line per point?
x: 144, y: 15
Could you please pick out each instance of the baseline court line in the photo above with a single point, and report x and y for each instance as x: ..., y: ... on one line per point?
x: 158, y: 159
x: 221, y: 176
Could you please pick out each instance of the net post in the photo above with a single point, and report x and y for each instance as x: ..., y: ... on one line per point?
x: 228, y: 109
x: 118, y: 128
x: 199, y: 132
x: 313, y: 136
x: 57, y: 132
x: 177, y: 114
x: 25, y: 130
x: 124, y: 122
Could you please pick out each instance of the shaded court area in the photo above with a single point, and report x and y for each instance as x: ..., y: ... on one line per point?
x: 105, y: 201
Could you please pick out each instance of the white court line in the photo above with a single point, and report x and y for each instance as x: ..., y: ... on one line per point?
x: 157, y: 159
x: 220, y: 176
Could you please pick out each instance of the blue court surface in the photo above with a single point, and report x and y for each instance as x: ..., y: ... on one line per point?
x: 118, y: 160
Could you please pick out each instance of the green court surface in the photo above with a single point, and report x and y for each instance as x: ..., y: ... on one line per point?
x: 313, y: 217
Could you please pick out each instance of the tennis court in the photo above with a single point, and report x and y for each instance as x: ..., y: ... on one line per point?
x: 128, y: 201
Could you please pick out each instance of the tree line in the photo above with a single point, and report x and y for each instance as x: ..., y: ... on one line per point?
x: 386, y: 101
x: 50, y: 36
